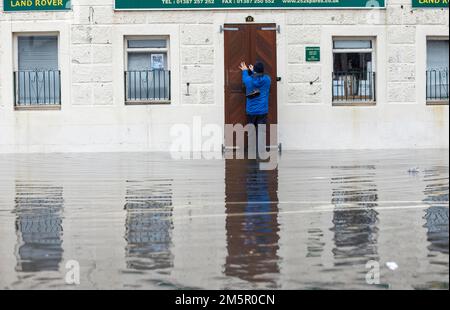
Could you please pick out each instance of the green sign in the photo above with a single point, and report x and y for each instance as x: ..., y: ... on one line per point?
x: 243, y: 4
x: 36, y: 5
x: 430, y: 3
x: 312, y: 53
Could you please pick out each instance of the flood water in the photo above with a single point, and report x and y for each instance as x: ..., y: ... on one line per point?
x: 322, y: 220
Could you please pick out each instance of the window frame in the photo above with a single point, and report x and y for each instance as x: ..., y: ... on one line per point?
x: 372, y: 50
x: 429, y: 102
x: 155, y: 50
x: 16, y: 36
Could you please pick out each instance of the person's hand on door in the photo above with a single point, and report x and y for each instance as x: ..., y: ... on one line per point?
x: 243, y: 66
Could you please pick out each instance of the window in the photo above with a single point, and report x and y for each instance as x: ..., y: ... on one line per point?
x: 147, y: 78
x: 37, y: 77
x: 437, y: 71
x: 353, y: 71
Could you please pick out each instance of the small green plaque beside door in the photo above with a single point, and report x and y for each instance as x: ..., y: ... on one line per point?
x: 312, y: 53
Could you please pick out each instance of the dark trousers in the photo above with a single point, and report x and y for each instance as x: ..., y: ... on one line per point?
x: 257, y: 120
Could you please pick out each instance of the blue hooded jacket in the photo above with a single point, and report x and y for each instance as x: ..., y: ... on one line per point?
x: 260, y: 104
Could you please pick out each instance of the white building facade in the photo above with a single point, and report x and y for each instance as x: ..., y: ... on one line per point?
x: 96, y: 78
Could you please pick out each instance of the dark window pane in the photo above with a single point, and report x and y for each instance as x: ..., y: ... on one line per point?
x: 352, y: 62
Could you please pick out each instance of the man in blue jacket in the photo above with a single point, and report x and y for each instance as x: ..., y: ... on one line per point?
x: 257, y: 86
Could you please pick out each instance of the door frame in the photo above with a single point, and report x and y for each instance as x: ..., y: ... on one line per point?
x: 281, y: 63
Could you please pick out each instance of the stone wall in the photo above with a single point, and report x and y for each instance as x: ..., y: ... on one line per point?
x: 94, y: 55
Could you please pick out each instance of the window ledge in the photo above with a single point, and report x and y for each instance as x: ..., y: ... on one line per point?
x: 354, y: 104
x: 40, y: 107
x: 437, y: 102
x: 147, y: 102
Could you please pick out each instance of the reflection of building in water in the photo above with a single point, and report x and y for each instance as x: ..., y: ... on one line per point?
x: 38, y: 208
x: 355, y: 230
x: 252, y: 221
x: 436, y: 216
x: 149, y: 224
x: 315, y: 244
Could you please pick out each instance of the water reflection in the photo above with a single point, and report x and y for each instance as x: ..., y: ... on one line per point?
x: 436, y: 216
x: 252, y: 222
x: 178, y: 231
x: 315, y: 243
x: 355, y: 229
x: 38, y: 209
x: 149, y: 225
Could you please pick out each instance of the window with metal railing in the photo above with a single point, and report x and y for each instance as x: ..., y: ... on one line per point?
x: 37, y: 78
x: 353, y: 77
x: 37, y: 88
x: 147, y: 77
x: 437, y: 70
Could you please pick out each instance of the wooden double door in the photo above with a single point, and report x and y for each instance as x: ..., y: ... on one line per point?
x: 250, y: 43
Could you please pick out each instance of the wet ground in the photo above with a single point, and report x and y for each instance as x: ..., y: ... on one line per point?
x: 322, y: 220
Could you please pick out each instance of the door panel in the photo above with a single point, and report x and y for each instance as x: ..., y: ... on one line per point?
x: 249, y: 43
x: 266, y: 52
x: 236, y: 50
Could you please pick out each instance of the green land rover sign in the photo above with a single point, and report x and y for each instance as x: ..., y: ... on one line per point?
x: 430, y: 3
x: 243, y: 4
x: 36, y: 5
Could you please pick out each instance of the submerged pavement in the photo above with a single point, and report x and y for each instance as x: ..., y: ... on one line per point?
x: 322, y: 220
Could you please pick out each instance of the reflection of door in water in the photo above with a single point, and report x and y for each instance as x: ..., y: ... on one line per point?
x: 252, y: 222
x: 250, y: 43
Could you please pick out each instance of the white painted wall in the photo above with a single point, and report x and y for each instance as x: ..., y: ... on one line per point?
x: 94, y: 118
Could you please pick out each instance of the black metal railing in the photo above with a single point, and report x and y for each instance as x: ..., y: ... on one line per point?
x: 147, y: 86
x: 37, y: 88
x: 354, y: 87
x: 437, y: 85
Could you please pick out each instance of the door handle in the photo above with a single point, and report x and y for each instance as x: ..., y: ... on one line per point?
x: 278, y: 78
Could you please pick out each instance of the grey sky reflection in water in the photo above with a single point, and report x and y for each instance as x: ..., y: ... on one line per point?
x: 146, y: 221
